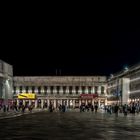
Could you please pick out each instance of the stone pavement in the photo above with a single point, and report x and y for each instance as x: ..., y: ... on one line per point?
x: 11, y: 113
x: 71, y: 125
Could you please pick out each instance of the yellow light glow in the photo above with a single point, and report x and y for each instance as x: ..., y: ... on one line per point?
x: 27, y: 96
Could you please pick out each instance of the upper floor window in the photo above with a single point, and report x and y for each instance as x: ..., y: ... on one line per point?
x: 89, y: 89
x: 20, y: 89
x: 77, y: 89
x: 83, y: 89
x: 33, y: 89
x: 39, y: 90
x: 26, y: 88
x: 70, y: 89
x: 96, y: 89
x: 51, y: 89
x: 45, y: 89
x: 102, y: 89
x: 58, y: 89
x: 64, y: 89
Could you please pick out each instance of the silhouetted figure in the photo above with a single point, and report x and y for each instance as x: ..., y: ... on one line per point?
x: 4, y: 108
x: 116, y: 109
x: 51, y: 108
x: 125, y: 110
x: 96, y: 108
x: 63, y: 108
x: 92, y: 109
x: 133, y: 109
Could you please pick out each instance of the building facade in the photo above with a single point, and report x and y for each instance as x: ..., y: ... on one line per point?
x: 6, y: 83
x: 73, y: 91
x: 124, y: 87
x: 69, y: 90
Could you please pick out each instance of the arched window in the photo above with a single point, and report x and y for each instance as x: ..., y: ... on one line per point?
x: 64, y: 89
x: 77, y: 89
x: 89, y: 90
x: 45, y: 90
x: 57, y: 89
x: 33, y: 89
x: 83, y: 89
x: 51, y: 89
x: 96, y: 89
x: 70, y: 90
x: 26, y: 89
x: 20, y: 89
x: 39, y: 90
x: 102, y: 89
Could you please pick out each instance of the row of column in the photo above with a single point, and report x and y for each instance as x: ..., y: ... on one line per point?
x: 68, y: 102
x: 97, y: 89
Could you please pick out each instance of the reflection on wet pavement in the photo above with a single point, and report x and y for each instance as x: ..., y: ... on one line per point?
x: 71, y: 125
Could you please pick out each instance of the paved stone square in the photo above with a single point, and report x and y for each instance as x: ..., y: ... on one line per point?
x: 71, y: 126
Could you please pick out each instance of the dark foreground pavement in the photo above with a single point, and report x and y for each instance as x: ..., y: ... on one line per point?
x: 70, y: 126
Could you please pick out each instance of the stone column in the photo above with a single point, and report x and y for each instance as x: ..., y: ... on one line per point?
x: 42, y: 103
x: 99, y: 103
x: 93, y: 102
x: 35, y: 103
x: 86, y: 90
x: 105, y: 92
x: 48, y: 90
x: 80, y: 90
x: 124, y: 93
x: 48, y: 102
x: 17, y: 90
x: 23, y: 102
x: 106, y: 101
x: 67, y: 90
x: 42, y: 90
x: 99, y: 90
x: 23, y: 89
x: 61, y: 101
x: 18, y: 102
x: 73, y: 103
x: 86, y: 102
x: 54, y: 103
x: 54, y: 90
x: 61, y: 90
x: 29, y: 90
x: 36, y: 90
x: 67, y: 102
x: 73, y: 90
x: 29, y: 102
x: 80, y: 102
x: 93, y: 90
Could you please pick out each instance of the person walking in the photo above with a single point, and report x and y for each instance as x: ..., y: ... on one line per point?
x: 116, y: 109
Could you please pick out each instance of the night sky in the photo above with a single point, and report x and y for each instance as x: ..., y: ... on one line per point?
x: 78, y: 45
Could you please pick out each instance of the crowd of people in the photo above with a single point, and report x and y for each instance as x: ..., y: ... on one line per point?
x: 17, y: 108
x: 125, y: 109
x: 110, y: 109
x: 87, y: 108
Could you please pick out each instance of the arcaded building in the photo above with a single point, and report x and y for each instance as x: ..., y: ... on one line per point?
x: 121, y: 88
x: 124, y: 86
x: 6, y: 83
x: 69, y: 90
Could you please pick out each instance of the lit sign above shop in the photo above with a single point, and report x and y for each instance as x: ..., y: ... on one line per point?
x: 27, y: 96
x: 88, y: 96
